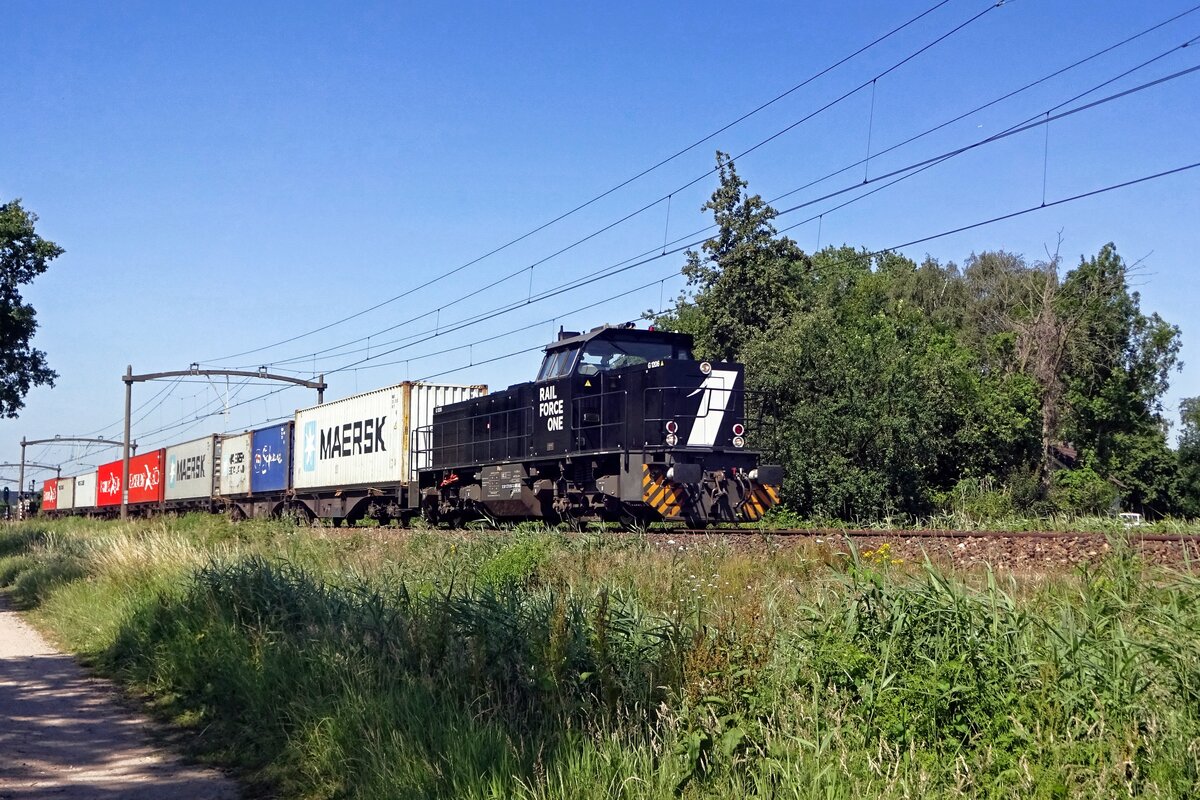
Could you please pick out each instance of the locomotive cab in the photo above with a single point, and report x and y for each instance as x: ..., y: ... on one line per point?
x: 588, y: 391
x: 619, y: 423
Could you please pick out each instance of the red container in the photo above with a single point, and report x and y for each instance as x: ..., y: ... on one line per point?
x: 145, y: 480
x: 50, y: 495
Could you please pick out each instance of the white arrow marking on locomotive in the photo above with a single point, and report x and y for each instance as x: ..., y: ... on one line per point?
x: 711, y: 413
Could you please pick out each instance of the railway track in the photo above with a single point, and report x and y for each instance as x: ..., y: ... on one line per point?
x: 928, y: 533
x: 1036, y: 551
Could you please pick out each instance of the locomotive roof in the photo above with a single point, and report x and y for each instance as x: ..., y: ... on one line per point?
x: 626, y: 331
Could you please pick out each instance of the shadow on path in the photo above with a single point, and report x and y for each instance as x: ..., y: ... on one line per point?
x: 63, y: 734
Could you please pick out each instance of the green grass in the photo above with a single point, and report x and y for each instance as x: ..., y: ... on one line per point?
x: 537, y: 664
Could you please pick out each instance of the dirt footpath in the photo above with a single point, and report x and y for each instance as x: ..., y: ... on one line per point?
x: 64, y: 735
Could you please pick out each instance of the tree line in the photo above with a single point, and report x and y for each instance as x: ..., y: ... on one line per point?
x: 887, y: 387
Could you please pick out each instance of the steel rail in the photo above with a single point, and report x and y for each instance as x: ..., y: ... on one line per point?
x: 928, y: 533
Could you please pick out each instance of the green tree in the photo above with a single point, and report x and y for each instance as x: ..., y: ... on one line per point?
x: 1118, y: 362
x: 866, y: 401
x: 23, y: 256
x: 887, y: 386
x: 1187, y: 480
x: 740, y: 277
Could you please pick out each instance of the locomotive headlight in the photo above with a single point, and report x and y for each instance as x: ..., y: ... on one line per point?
x: 672, y: 440
x: 672, y: 426
x: 739, y: 429
x: 738, y: 441
x: 705, y: 367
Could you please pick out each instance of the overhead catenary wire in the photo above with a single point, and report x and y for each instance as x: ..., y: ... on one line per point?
x: 513, y: 331
x: 1009, y: 95
x: 992, y: 6
x: 529, y: 296
x: 190, y: 416
x: 1041, y: 119
x: 652, y: 255
x: 192, y: 420
x: 905, y: 174
x: 1072, y: 112
x: 118, y: 422
x: 917, y: 166
x: 859, y: 257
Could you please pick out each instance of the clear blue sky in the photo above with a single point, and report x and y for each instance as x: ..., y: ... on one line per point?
x: 226, y: 175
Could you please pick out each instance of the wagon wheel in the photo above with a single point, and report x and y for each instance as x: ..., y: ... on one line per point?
x: 632, y: 518
x: 429, y: 513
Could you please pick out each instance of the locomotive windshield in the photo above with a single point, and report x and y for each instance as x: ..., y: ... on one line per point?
x: 558, y: 363
x: 602, y: 355
x: 611, y: 348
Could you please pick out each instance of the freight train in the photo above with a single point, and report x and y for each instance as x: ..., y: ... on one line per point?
x: 620, y: 425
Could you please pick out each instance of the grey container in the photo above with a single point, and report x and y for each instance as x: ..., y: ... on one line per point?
x: 191, y: 469
x: 85, y: 490
x: 235, y: 465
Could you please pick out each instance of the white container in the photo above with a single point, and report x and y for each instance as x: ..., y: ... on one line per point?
x: 366, y: 439
x: 66, y: 494
x: 85, y: 490
x: 235, y: 464
x: 191, y: 470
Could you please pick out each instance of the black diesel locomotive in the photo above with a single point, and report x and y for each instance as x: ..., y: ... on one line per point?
x: 621, y: 424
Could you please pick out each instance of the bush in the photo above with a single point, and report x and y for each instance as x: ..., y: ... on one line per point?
x: 20, y: 539
x: 1082, y: 492
x: 11, y: 568
x: 517, y: 562
x: 979, y: 500
x: 35, y: 583
x: 537, y: 666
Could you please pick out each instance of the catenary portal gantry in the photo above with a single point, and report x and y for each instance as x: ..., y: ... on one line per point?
x: 130, y: 379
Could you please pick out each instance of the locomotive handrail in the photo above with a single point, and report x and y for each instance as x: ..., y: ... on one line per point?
x: 747, y: 397
x: 431, y: 453
x: 578, y: 426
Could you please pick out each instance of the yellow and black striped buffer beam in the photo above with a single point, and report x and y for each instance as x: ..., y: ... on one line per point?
x: 760, y: 497
x: 660, y: 494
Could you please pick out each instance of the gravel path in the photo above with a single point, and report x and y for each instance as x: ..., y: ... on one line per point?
x: 64, y: 735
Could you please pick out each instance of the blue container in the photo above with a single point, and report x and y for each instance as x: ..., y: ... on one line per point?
x: 271, y: 458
